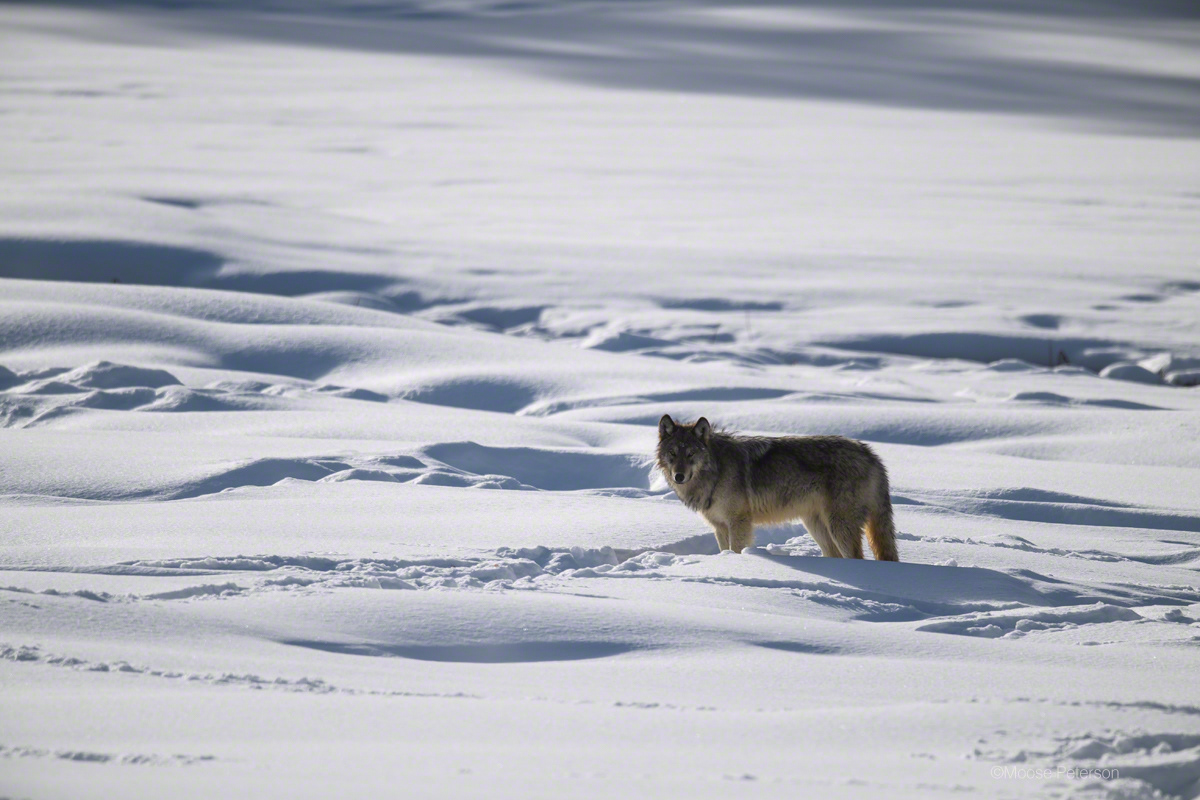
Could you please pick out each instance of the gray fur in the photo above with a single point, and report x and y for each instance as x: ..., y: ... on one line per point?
x: 837, y: 486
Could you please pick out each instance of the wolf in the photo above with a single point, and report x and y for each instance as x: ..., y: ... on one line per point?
x: 837, y: 486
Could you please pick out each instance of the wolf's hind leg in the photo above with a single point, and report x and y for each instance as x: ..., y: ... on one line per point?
x: 847, y: 535
x: 820, y: 534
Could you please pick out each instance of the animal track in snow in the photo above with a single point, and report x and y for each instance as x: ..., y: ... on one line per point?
x: 1017, y: 623
x: 34, y: 655
x: 91, y: 757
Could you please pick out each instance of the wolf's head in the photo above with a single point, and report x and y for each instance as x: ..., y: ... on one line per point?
x: 683, y: 449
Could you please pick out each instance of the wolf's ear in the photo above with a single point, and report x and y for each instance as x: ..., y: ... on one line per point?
x: 703, y: 429
x: 666, y: 426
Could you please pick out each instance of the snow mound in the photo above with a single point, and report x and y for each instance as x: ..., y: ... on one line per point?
x: 118, y: 399
x: 1184, y: 377
x: 1127, y: 371
x: 106, y: 375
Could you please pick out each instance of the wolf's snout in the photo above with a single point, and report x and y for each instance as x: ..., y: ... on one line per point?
x: 679, y: 476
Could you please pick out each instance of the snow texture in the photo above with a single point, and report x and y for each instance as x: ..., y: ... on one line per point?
x: 334, y: 336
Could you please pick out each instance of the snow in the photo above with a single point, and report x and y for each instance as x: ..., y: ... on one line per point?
x: 333, y: 339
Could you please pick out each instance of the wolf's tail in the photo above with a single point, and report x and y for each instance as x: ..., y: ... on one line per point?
x: 881, y: 530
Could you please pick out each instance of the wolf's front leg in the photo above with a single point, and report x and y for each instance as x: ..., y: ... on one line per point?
x: 741, y: 534
x: 722, y: 532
